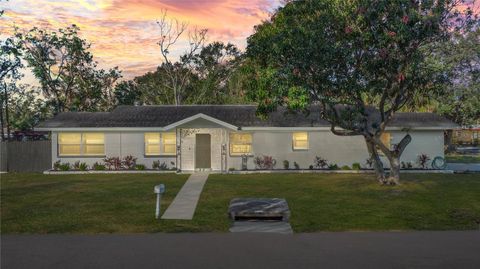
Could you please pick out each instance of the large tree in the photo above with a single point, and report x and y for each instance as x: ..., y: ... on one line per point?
x: 360, y: 61
x: 176, y: 76
x: 26, y: 107
x: 209, y: 76
x: 10, y: 66
x: 459, y: 99
x: 69, y: 77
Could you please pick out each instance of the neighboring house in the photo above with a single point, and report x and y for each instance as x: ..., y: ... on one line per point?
x: 466, y: 136
x: 217, y: 136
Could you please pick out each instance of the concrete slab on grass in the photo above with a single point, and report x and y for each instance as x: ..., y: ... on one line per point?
x: 280, y: 227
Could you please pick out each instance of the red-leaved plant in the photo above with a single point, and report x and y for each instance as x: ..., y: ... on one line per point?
x: 129, y: 162
x: 264, y: 162
x: 422, y: 160
x: 113, y: 163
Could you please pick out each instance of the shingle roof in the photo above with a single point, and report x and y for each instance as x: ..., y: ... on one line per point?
x: 238, y: 115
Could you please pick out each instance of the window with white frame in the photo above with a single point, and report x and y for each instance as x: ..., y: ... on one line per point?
x: 240, y: 144
x: 81, y: 144
x: 160, y: 144
x: 300, y: 141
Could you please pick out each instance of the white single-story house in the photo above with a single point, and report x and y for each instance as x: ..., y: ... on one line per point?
x: 215, y: 137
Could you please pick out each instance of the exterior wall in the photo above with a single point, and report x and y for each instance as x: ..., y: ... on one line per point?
x: 117, y: 144
x: 278, y: 144
x: 428, y: 142
x: 342, y: 150
x: 187, y: 147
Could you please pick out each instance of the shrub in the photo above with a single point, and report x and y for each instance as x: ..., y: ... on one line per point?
x: 310, y: 167
x: 56, y: 165
x: 113, y: 162
x: 129, y: 162
x: 159, y: 166
x: 296, y: 165
x: 320, y: 162
x: 356, y: 166
x: 231, y: 169
x: 422, y: 160
x: 346, y: 167
x: 264, y: 162
x: 333, y: 166
x: 139, y: 167
x: 83, y: 167
x: 407, y: 165
x: 76, y: 165
x: 286, y: 164
x: 98, y: 167
x: 64, y: 167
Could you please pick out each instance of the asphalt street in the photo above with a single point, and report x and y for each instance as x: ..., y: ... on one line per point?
x: 244, y: 250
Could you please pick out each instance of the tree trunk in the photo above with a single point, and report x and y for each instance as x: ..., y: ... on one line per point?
x: 394, y: 175
x: 377, y: 163
x: 393, y: 157
x: 1, y: 121
x: 7, y: 116
x: 449, y: 147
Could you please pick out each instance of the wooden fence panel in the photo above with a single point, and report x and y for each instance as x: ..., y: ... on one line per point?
x: 3, y: 156
x: 26, y: 156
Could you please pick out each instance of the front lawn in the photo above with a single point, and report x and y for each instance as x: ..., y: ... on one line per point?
x: 33, y: 203
x: 100, y: 203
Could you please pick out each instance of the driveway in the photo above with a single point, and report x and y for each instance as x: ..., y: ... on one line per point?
x: 464, y: 167
x: 315, y: 250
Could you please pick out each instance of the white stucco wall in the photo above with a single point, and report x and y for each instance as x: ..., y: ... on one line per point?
x: 117, y: 144
x: 428, y: 142
x: 336, y: 149
x: 342, y: 150
x: 217, y: 136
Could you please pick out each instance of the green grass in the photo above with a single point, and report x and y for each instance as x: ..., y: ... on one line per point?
x: 319, y: 202
x: 107, y: 203
x: 452, y: 158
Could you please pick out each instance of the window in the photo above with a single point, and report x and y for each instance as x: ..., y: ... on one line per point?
x: 160, y: 144
x: 81, y: 144
x: 169, y: 141
x: 300, y: 141
x: 240, y: 143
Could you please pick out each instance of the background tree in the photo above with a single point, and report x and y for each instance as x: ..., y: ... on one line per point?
x: 27, y: 108
x: 211, y: 77
x: 69, y: 77
x: 459, y: 100
x: 213, y: 68
x: 360, y: 61
x: 10, y: 66
x: 177, y: 75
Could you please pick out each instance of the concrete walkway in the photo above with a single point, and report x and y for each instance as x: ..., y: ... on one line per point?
x: 185, y: 203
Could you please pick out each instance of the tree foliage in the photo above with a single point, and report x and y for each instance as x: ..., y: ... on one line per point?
x: 69, y: 77
x: 209, y: 75
x: 361, y: 61
x: 459, y: 99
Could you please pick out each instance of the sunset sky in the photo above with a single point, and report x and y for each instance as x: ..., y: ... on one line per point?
x: 124, y: 32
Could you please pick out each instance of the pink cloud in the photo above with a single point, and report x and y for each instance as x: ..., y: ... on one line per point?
x: 124, y: 33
